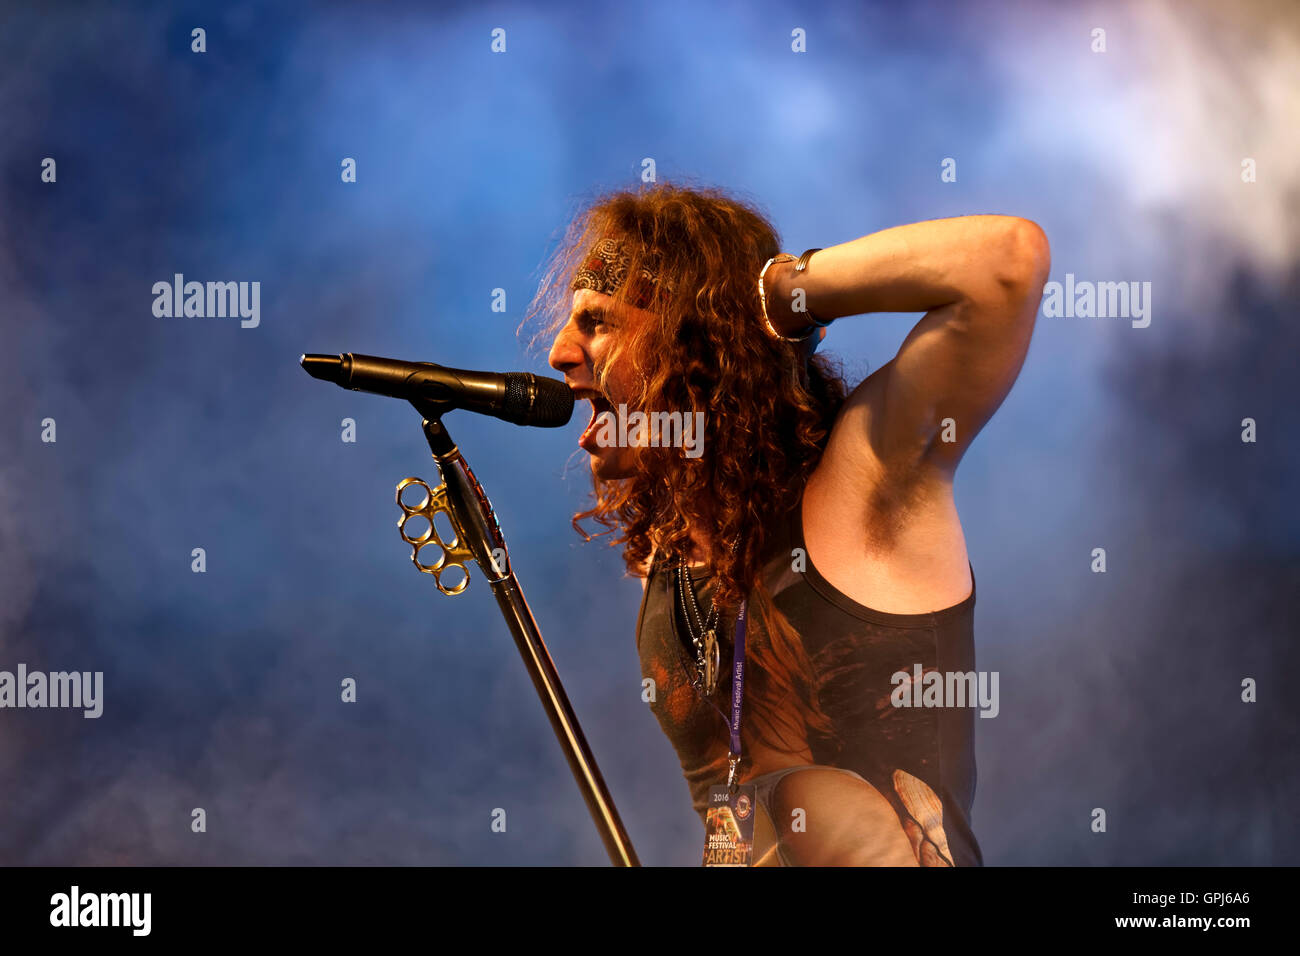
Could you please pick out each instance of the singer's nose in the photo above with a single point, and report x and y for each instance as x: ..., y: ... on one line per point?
x: 566, y: 353
x: 326, y: 367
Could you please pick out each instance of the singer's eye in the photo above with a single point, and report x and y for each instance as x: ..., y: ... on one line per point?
x: 593, y: 319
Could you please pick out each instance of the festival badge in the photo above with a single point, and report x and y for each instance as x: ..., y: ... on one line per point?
x: 729, y: 826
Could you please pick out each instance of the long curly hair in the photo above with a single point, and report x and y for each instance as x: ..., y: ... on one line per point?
x: 768, y: 410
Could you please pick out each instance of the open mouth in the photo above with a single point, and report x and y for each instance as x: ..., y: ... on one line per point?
x: 599, y: 403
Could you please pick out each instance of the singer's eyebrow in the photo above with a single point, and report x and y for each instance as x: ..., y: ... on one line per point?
x: 591, y: 312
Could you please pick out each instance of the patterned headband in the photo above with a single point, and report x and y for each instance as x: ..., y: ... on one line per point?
x: 605, y: 269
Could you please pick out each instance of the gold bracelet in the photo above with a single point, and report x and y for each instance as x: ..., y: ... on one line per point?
x: 762, y: 300
x: 802, y: 265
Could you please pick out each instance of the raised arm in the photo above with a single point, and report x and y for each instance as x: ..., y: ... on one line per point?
x: 979, y: 280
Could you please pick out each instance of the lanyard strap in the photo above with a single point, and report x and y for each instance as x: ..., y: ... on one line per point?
x: 737, y: 698
x: 737, y: 687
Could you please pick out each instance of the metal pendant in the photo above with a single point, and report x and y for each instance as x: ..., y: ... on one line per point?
x: 712, y: 660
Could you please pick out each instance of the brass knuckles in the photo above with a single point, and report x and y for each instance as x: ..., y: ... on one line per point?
x: 452, y: 554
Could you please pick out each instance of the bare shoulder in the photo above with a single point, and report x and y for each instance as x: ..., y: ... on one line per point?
x: 829, y: 818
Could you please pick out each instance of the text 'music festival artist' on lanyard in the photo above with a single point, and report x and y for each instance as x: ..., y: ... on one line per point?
x: 730, y: 815
x: 737, y: 697
x: 737, y: 689
x: 729, y: 821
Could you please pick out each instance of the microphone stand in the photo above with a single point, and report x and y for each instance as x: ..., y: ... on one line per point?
x: 479, y: 536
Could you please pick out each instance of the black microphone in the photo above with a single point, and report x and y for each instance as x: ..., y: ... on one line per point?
x: 518, y: 397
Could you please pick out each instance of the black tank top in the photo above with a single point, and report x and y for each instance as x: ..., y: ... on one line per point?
x: 921, y: 759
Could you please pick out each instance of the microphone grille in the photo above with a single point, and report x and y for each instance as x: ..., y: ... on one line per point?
x: 516, y: 404
x: 537, y: 400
